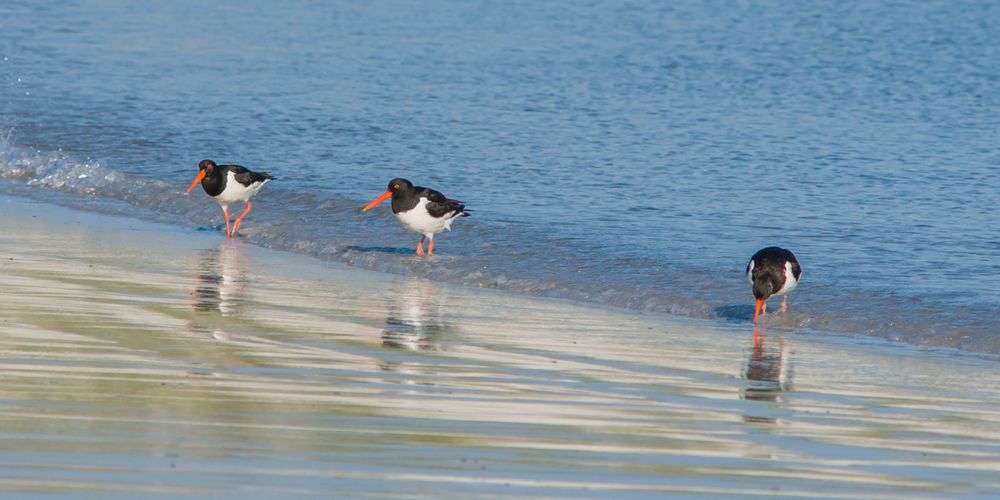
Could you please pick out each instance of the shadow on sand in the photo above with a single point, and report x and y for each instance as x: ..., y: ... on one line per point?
x: 389, y: 250
x: 735, y: 312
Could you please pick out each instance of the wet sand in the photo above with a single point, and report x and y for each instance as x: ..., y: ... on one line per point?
x: 147, y: 360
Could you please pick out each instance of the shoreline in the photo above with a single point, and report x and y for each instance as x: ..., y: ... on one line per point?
x: 163, y: 361
x: 934, y: 335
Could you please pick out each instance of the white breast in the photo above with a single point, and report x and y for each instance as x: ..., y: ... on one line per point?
x: 235, y: 191
x: 420, y: 221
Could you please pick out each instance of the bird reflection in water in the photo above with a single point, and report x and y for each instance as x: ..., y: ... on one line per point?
x: 221, y: 279
x: 766, y: 372
x: 414, y: 323
x: 414, y: 320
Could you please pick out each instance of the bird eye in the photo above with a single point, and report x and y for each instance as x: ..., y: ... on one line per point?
x: 395, y: 186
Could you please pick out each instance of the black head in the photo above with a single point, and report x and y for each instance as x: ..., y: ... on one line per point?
x: 763, y: 288
x: 399, y: 184
x: 398, y: 188
x: 207, y: 165
x: 206, y: 169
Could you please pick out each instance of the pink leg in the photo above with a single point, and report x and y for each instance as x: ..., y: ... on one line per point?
x: 236, y: 225
x: 784, y: 304
x: 225, y: 213
x: 420, y: 246
x: 430, y: 248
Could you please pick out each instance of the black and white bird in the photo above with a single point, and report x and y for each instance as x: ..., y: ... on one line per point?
x: 227, y: 184
x: 421, y: 210
x: 774, y: 272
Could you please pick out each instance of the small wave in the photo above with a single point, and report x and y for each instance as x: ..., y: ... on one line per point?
x: 57, y: 171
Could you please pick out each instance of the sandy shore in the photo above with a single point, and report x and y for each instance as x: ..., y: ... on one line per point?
x: 148, y: 360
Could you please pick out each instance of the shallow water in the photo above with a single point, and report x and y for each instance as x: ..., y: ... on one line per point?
x: 627, y: 155
x: 181, y: 365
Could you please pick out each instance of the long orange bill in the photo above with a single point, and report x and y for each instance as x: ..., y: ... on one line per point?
x: 376, y: 201
x: 756, y: 313
x: 201, y: 175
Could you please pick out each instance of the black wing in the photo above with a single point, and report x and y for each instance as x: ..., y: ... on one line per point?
x: 246, y: 177
x: 438, y: 205
x: 772, y: 259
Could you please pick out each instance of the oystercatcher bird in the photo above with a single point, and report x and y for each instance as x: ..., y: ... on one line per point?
x: 421, y: 210
x: 774, y: 272
x: 228, y: 184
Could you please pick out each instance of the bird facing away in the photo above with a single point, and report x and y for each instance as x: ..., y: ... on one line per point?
x: 421, y: 210
x: 228, y: 184
x: 774, y: 272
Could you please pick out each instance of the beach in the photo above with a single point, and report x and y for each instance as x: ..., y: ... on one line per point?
x: 142, y: 359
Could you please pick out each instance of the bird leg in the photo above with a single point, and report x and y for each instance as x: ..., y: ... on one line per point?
x: 784, y: 304
x: 225, y: 213
x: 430, y: 248
x: 236, y: 225
x: 420, y: 246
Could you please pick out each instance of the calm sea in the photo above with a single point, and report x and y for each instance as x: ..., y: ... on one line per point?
x: 633, y: 154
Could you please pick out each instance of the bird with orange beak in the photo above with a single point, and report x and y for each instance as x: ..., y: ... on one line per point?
x: 774, y: 272
x: 421, y: 210
x: 227, y: 184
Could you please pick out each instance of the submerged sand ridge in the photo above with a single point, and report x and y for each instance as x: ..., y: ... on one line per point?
x: 155, y: 361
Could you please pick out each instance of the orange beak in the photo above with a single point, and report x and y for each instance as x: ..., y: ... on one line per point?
x: 376, y: 201
x: 201, y: 175
x: 756, y: 313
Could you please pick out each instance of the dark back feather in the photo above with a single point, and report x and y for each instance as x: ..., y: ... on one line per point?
x: 247, y: 177
x: 438, y: 205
